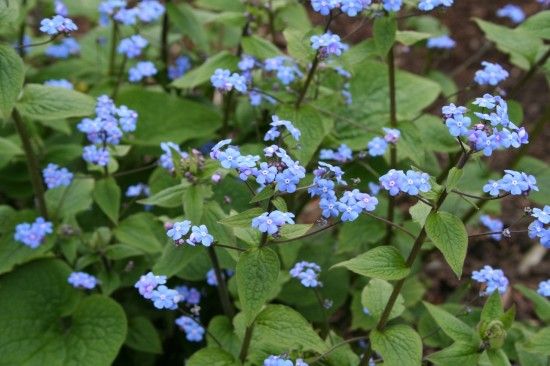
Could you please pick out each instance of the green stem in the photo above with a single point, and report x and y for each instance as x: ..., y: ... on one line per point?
x: 246, y: 342
x: 119, y: 77
x: 21, y: 38
x: 112, y: 55
x: 32, y: 163
x: 164, y: 38
x: 323, y: 312
x: 222, y: 286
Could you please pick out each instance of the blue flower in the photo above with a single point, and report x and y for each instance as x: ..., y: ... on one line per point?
x: 224, y: 81
x: 141, y: 70
x: 96, y: 155
x: 287, y: 181
x: 329, y: 206
x: 391, y: 135
x: 33, y: 234
x: 178, y: 230
x: 324, y: 6
x: 57, y: 24
x: 512, y: 12
x: 535, y: 229
x: 452, y: 110
x: 200, y: 235
x: 246, y: 63
x: 377, y: 146
x: 322, y: 188
x: 165, y: 298
x: 147, y: 283
x: 82, y: 280
x: 350, y: 212
x: 542, y: 215
x: 67, y: 47
x: 61, y: 83
x: 265, y: 174
x: 491, y: 74
x: 494, y: 225
x: 55, y: 176
x: 137, y: 190
x: 328, y: 44
x: 271, y: 222
x: 492, y: 187
x: 194, y: 332
x: 493, y: 279
x: 150, y: 10
x: 544, y: 288
x: 374, y: 188
x: 392, y: 5
x: 60, y: 8
x: 179, y: 68
x: 132, y: 46
x: 274, y: 132
x: 458, y: 125
x: 441, y: 42
x: 307, y: 273
x: 166, y: 160
x: 517, y: 183
x: 353, y: 7
x: 126, y: 16
x: 392, y: 181
x: 189, y: 295
x: 127, y: 118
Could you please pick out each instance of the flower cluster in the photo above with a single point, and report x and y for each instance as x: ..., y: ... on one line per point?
x: 493, y: 279
x: 152, y: 288
x: 491, y: 74
x: 141, y: 70
x: 137, y: 190
x: 179, y: 230
x: 378, y: 145
x: 427, y: 5
x: 56, y: 25
x: 67, y: 47
x: 82, y: 280
x: 513, y: 182
x: 285, y: 69
x: 328, y: 44
x: 107, y: 127
x: 540, y: 228
x: 55, y: 176
x: 32, y: 235
x: 441, y: 42
x: 512, y: 12
x: 181, y: 65
x: 224, y: 81
x: 544, y: 288
x: 194, y: 332
x: 283, y: 361
x: 410, y: 182
x: 271, y: 222
x: 132, y: 46
x: 166, y: 159
x: 493, y: 131
x: 307, y: 273
x: 341, y: 155
x: 494, y: 225
x: 59, y: 83
x: 276, y: 124
x: 189, y: 295
x: 145, y: 11
x: 392, y: 5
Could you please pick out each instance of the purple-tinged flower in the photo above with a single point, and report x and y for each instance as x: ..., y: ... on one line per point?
x: 200, y: 235
x: 392, y: 181
x: 246, y: 63
x: 147, y: 283
x: 165, y: 298
x: 542, y: 215
x: 141, y: 70
x: 443, y: 42
x: 512, y: 12
x: 56, y: 25
x: 179, y: 68
x: 33, y: 234
x: 494, y: 225
x: 493, y: 279
x: 55, y: 176
x: 328, y: 44
x: 132, y: 46
x: 189, y: 295
x: 137, y: 190
x: 392, y: 135
x: 377, y: 146
x: 61, y: 83
x: 67, y: 47
x: 453, y: 110
x: 194, y: 332
x: 178, y: 230
x: 544, y: 288
x: 491, y: 74
x: 96, y: 155
x: 82, y: 280
x: 307, y: 273
x: 166, y: 159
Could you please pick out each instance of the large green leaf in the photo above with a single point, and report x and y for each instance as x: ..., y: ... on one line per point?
x: 540, y: 342
x: 68, y: 201
x: 183, y: 17
x: 259, y: 47
x: 12, y: 75
x: 193, y: 202
x: 143, y: 336
x: 43, y: 102
x: 449, y: 236
x: 9, y: 12
x: 375, y: 297
x: 464, y: 354
x: 175, y: 258
x: 212, y: 356
x: 8, y: 150
x: 201, y: 74
x: 257, y: 272
x: 384, y: 33
x: 542, y: 305
x: 169, y: 197
x: 451, y: 325
x: 141, y: 231
x: 221, y: 328
x: 243, y: 219
x: 45, y: 321
x: 384, y: 262
x: 164, y: 117
x: 107, y: 196
x: 398, y: 345
x: 538, y: 24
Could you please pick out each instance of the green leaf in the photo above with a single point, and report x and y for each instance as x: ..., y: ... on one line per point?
x: 68, y: 201
x: 266, y: 193
x: 212, y: 356
x: 449, y: 236
x: 143, y: 336
x: 182, y: 119
x: 202, y: 74
x: 9, y: 12
x: 107, y: 196
x: 44, y: 321
x: 542, y: 305
x: 8, y: 150
x: 451, y: 325
x: 538, y: 24
x: 193, y: 202
x: 384, y: 30
x: 257, y: 271
x: 540, y: 342
x: 141, y: 231
x: 12, y: 76
x: 259, y: 47
x: 453, y: 178
x: 243, y: 219
x: 375, y: 297
x: 283, y: 327
x: 497, y: 357
x: 464, y: 354
x: 294, y: 231
x: 541, y: 170
x: 384, y: 262
x: 43, y: 102
x: 13, y: 253
x: 508, y: 317
x: 183, y: 17
x: 492, y: 310
x: 419, y: 212
x: 408, y: 38
x: 175, y: 258
x: 220, y: 327
x: 398, y: 345
x: 298, y: 45
x: 169, y: 197
x: 351, y: 238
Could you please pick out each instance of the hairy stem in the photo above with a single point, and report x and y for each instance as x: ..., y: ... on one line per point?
x: 222, y: 286
x: 32, y: 163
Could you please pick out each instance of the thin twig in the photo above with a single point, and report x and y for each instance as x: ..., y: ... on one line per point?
x: 392, y: 224
x: 484, y: 198
x: 305, y: 235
